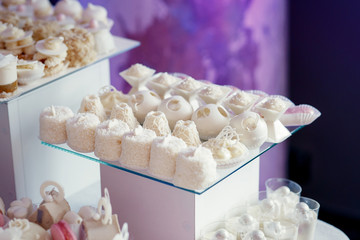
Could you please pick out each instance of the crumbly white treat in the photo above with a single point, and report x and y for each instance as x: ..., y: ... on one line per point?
x: 143, y: 102
x: 28, y: 71
x: 110, y: 96
x: 195, y: 168
x: 164, y: 151
x: 71, y: 8
x: 108, y: 136
x: 241, y: 101
x: 7, y: 69
x: 53, y: 124
x: 156, y: 121
x: 94, y: 12
x: 186, y: 130
x: 124, y: 112
x: 212, y: 93
x: 161, y: 83
x: 136, y: 146
x: 80, y: 130
x: 138, y: 70
x: 92, y: 104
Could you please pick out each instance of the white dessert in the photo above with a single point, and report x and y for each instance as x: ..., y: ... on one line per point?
x: 20, y: 208
x: 136, y: 76
x: 161, y: 83
x: 251, y: 128
x: 255, y: 235
x: 186, y: 130
x: 195, y: 168
x: 241, y: 225
x: 241, y: 101
x: 72, y: 217
x: 213, y: 93
x: 164, y: 151
x: 302, y: 114
x: 71, y: 8
x: 80, y: 130
x: 266, y: 209
x: 175, y: 108
x: 187, y: 87
x: 286, y: 198
x: 108, y: 137
x: 220, y: 234
x: 29, y: 71
x: 92, y: 104
x: 95, y: 12
x: 29, y: 230
x: 143, y: 102
x: 210, y: 119
x: 136, y: 146
x: 272, y: 107
x: 280, y: 230
x: 156, y: 121
x: 306, y: 219
x: 104, y: 40
x: 53, y: 124
x: 110, y: 96
x: 87, y: 212
x: 42, y: 8
x: 8, y: 75
x: 124, y: 112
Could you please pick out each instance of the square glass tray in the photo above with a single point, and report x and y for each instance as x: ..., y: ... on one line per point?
x: 121, y: 45
x: 223, y: 173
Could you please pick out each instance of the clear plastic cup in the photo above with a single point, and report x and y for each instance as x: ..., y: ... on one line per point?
x: 216, y: 230
x: 239, y: 222
x: 273, y: 184
x: 263, y: 208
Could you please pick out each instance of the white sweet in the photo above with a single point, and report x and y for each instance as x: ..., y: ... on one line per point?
x: 241, y: 225
x: 156, y: 121
x: 2, y: 206
x: 213, y: 93
x: 286, y: 198
x: 10, y: 234
x: 28, y: 71
x: 220, y: 234
x: 251, y: 128
x: 124, y: 112
x: 255, y: 235
x: 210, y: 119
x: 108, y: 137
x: 266, y: 209
x: 71, y: 8
x: 186, y: 87
x: 110, y: 96
x: 143, y: 102
x: 272, y: 107
x: 195, y: 168
x: 161, y: 83
x: 186, y: 130
x: 136, y: 75
x: 306, y: 219
x: 29, y: 230
x: 8, y: 73
x: 92, y: 104
x: 175, y: 108
x: 52, y: 46
x: 42, y: 8
x: 164, y: 151
x: 95, y: 12
x: 72, y: 217
x: 241, y: 101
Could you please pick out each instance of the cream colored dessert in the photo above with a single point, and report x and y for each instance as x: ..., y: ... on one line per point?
x: 164, y: 151
x: 17, y: 41
x: 20, y: 208
x: 156, y: 121
x: 80, y: 131
x: 210, y: 119
x: 108, y: 137
x: 8, y: 75
x: 29, y: 230
x: 187, y: 87
x: 95, y: 12
x: 53, y: 124
x: 87, y: 212
x: 175, y: 108
x: 302, y: 114
x: 52, y: 52
x: 286, y: 198
x: 306, y: 219
x: 72, y: 217
x: 136, y: 76
x: 104, y: 40
x: 280, y: 230
x: 251, y: 128
x: 124, y: 112
x: 241, y: 225
x: 241, y: 101
x: 110, y: 96
x: 143, y: 102
x: 43, y: 29
x: 266, y: 209
x: 136, y: 146
x: 186, y: 130
x: 195, y: 168
x: 212, y: 93
x: 220, y: 234
x: 272, y: 107
x: 42, y: 8
x: 71, y: 8
x: 29, y: 71
x: 92, y: 104
x: 255, y: 235
x: 161, y: 83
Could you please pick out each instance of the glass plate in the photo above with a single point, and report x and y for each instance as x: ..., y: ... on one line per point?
x: 223, y: 173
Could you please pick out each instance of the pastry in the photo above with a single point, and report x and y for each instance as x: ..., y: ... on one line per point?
x: 210, y: 119
x: 95, y: 12
x: 108, y: 136
x: 136, y: 146
x: 136, y: 76
x: 161, y: 82
x: 124, y: 112
x: 18, y: 42
x: 186, y: 130
x: 186, y: 87
x: 241, y: 101
x: 80, y: 131
x: 29, y: 71
x: 156, y: 121
x: 71, y: 8
x: 110, y: 96
x: 8, y: 76
x: 143, y: 102
x: 164, y: 151
x: 20, y: 208
x: 53, y: 207
x: 92, y: 104
x: 42, y: 8
x: 53, y: 124
x: 212, y: 93
x: 28, y: 230
x: 43, y: 29
x: 175, y: 108
x: 62, y: 231
x: 104, y: 41
x: 195, y: 168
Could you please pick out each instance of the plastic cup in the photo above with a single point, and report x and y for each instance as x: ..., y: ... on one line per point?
x: 216, y: 230
x: 272, y: 184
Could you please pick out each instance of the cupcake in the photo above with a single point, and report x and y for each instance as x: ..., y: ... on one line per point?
x: 8, y: 75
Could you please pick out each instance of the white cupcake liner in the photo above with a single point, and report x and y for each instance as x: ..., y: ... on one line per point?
x: 302, y: 114
x: 269, y: 114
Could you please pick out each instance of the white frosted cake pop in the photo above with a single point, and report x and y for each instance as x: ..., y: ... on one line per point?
x: 195, y: 168
x: 186, y: 130
x: 164, y: 151
x: 80, y: 130
x: 143, y: 102
x: 71, y: 8
x: 92, y: 104
x: 156, y: 121
x: 251, y: 128
x: 53, y: 124
x: 210, y: 119
x: 136, y: 146
x: 175, y: 108
x: 124, y: 112
x: 108, y: 137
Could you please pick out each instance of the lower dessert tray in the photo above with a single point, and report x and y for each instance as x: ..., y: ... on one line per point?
x: 222, y: 173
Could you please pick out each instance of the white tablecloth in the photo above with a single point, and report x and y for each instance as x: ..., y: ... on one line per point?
x: 325, y: 231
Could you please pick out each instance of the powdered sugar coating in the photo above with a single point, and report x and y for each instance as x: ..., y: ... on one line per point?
x: 92, y: 104
x: 156, y: 121
x: 124, y: 112
x: 186, y: 130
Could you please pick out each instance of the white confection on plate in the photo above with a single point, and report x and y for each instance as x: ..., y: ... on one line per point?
x: 104, y: 41
x: 195, y: 168
x: 143, y: 102
x: 71, y: 8
x: 137, y: 74
x: 108, y: 137
x: 251, y: 128
x: 29, y: 230
x: 186, y: 130
x: 286, y: 198
x: 110, y: 96
x: 95, y: 12
x: 241, y: 101
x: 8, y: 72
x: 272, y: 107
x: 161, y: 83
x: 176, y: 108
x: 255, y: 235
x: 210, y: 119
x: 53, y: 124
x: 306, y: 219
x: 186, y: 87
x: 136, y: 146
x: 302, y: 114
x: 72, y: 217
x: 80, y: 130
x: 124, y: 112
x: 280, y: 230
x: 266, y: 209
x: 52, y: 46
x: 212, y: 93
x: 164, y: 151
x: 156, y: 121
x: 220, y: 234
x: 42, y: 8
x: 92, y: 104
x: 241, y: 225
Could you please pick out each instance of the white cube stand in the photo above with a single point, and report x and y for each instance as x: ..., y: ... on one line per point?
x: 155, y: 210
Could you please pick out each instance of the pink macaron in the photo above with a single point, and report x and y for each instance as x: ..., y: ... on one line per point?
x: 62, y: 231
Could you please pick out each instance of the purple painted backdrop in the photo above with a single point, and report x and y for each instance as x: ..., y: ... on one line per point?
x: 237, y: 42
